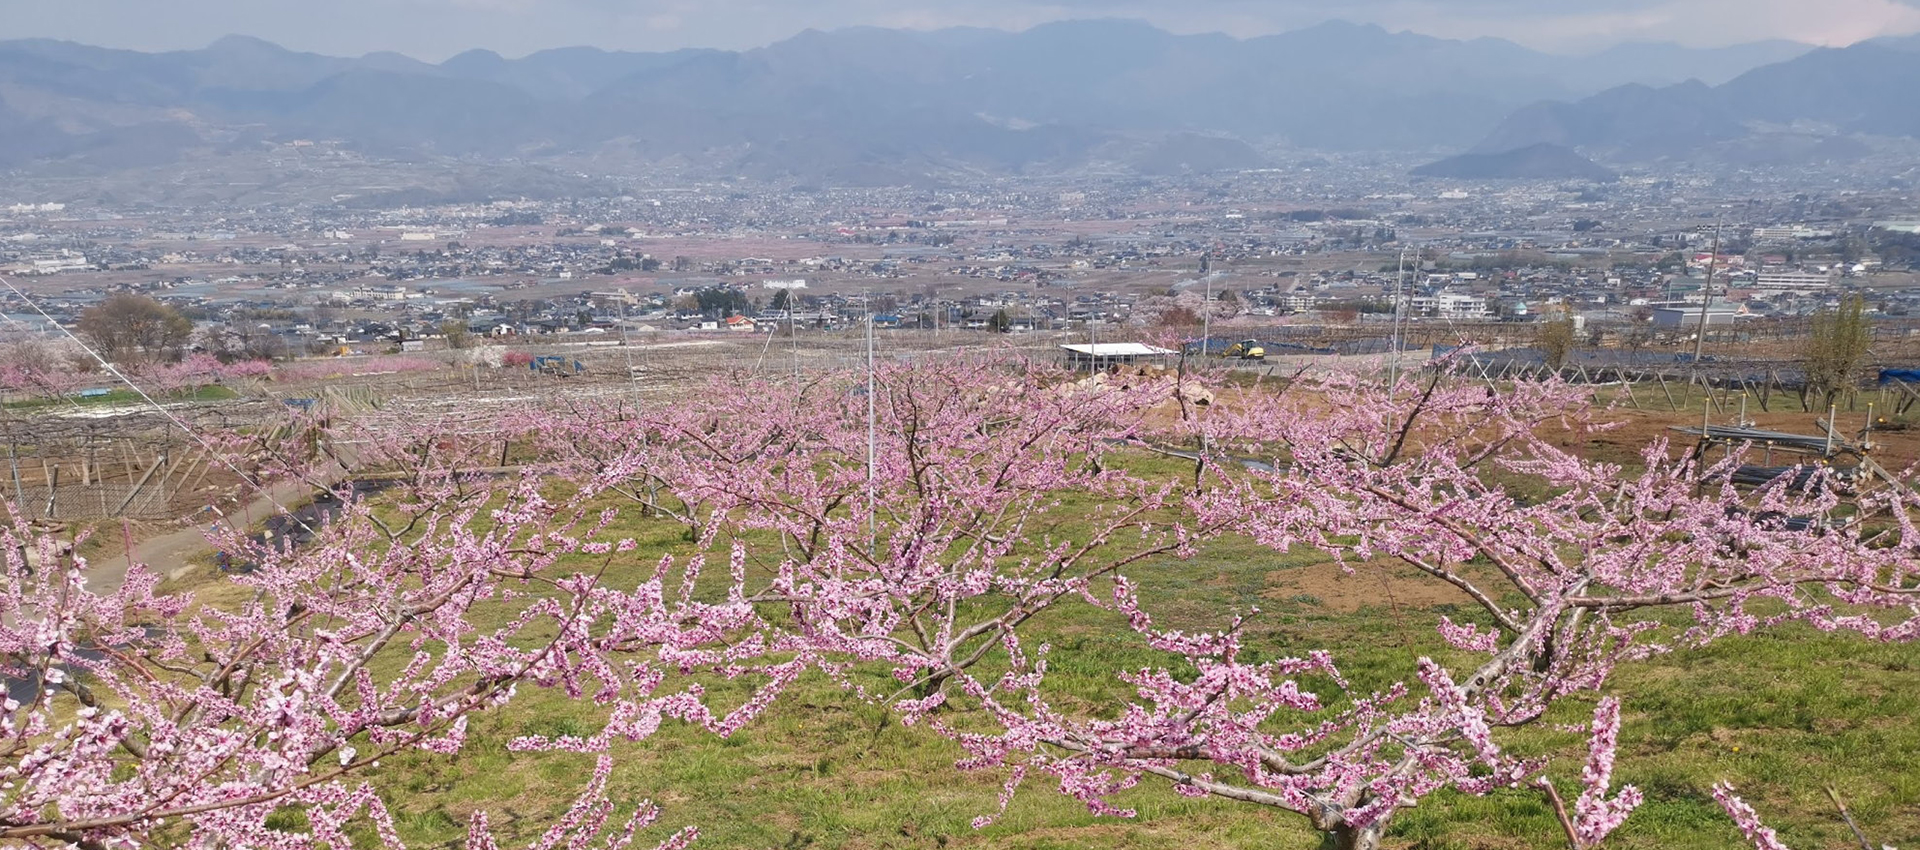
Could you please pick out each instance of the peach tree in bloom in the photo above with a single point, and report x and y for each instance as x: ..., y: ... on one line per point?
x: 992, y: 497
x: 136, y: 718
x: 914, y: 558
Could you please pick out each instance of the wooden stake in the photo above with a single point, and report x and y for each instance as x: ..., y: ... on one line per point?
x: 1707, y: 389
x: 131, y: 494
x: 1662, y: 378
x: 1848, y: 817
x: 204, y: 469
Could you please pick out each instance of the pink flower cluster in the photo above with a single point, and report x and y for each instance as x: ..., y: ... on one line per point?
x: 1596, y: 816
x: 153, y: 712
x: 196, y: 371
x: 1762, y: 836
x: 936, y: 557
x: 907, y: 560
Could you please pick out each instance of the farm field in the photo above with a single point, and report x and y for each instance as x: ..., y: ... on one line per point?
x: 1782, y: 715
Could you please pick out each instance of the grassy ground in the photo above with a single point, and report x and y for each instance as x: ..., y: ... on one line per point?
x: 207, y: 393
x: 1780, y: 716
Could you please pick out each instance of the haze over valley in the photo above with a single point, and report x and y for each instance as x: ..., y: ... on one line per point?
x: 870, y: 106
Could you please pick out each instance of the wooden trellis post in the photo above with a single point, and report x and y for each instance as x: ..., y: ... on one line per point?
x: 1662, y: 378
x: 131, y: 494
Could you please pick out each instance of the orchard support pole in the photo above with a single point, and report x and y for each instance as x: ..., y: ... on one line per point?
x: 137, y: 487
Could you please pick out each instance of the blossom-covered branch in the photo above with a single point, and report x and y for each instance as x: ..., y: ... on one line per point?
x: 141, y: 717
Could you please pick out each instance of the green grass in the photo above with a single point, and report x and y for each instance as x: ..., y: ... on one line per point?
x: 1780, y: 715
x: 119, y: 396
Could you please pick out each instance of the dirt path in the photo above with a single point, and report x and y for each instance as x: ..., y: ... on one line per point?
x: 178, y: 550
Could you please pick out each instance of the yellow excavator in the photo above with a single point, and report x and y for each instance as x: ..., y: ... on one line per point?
x: 1246, y: 350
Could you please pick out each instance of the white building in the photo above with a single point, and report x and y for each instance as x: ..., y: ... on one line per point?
x: 1456, y: 306
x: 1298, y: 302
x: 1788, y: 233
x: 58, y: 265
x: 1787, y: 280
x: 384, y: 292
x: 615, y: 296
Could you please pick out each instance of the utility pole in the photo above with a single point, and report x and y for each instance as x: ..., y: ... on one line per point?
x: 1206, y: 316
x: 1399, y: 288
x: 626, y: 345
x: 1706, y: 300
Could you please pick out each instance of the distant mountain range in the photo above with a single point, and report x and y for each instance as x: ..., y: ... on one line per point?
x: 1813, y: 107
x: 874, y: 105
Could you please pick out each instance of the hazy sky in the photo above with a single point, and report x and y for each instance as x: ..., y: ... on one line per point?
x: 435, y: 29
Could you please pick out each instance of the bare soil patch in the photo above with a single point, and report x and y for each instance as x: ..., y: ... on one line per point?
x: 1349, y: 588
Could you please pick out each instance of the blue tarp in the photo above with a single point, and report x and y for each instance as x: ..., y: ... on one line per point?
x: 555, y: 362
x: 1888, y: 376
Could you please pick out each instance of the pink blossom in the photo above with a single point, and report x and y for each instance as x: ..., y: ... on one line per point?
x: 1762, y: 836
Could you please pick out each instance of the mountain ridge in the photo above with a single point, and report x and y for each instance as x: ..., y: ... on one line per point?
x: 1058, y: 95
x: 1834, y: 93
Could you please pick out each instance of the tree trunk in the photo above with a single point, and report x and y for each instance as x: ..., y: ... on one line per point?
x: 1359, y: 838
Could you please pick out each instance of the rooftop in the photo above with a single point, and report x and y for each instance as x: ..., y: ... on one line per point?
x: 1118, y: 349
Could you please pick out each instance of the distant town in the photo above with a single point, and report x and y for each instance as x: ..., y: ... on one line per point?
x: 1317, y: 243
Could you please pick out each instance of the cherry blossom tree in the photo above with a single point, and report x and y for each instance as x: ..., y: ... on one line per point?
x: 1763, y: 837
x: 1594, y: 816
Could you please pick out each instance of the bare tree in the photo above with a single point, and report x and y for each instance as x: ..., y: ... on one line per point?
x: 135, y: 328
x: 456, y: 332
x: 1556, y: 340
x: 1836, y: 349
